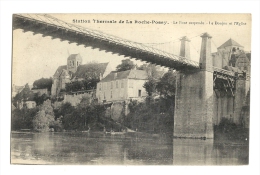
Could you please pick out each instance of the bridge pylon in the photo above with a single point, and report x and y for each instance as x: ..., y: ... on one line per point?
x: 194, y: 98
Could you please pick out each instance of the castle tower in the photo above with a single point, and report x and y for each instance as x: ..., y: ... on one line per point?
x: 73, y: 61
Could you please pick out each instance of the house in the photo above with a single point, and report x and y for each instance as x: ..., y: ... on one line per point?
x: 121, y: 86
x: 76, y: 71
x: 30, y: 104
x: 27, y: 102
x: 118, y: 88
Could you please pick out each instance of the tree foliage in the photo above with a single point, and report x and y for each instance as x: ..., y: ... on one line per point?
x: 43, y: 83
x: 44, y: 117
x: 150, y: 86
x: 167, y: 85
x: 22, y: 118
x: 39, y: 99
x: 150, y: 117
x: 24, y: 94
x: 126, y: 64
x: 81, y: 85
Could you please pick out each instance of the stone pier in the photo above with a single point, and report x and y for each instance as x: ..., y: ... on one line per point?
x: 194, y: 98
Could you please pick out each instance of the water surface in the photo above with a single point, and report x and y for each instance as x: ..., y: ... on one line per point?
x: 129, y: 149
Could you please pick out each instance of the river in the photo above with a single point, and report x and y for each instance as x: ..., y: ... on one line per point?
x: 78, y: 148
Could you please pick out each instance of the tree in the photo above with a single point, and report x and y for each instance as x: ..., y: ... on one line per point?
x: 24, y: 94
x: 153, y: 77
x: 42, y: 121
x: 39, y: 99
x: 126, y: 64
x: 151, y: 70
x: 167, y: 85
x: 150, y: 86
x: 44, y: 117
x: 43, y: 83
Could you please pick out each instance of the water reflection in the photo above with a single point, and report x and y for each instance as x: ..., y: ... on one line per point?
x: 209, y: 152
x: 130, y: 149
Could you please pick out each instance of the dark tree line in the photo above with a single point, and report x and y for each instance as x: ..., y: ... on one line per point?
x: 43, y: 83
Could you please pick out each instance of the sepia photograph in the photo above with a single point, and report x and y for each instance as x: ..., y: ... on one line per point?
x: 130, y: 89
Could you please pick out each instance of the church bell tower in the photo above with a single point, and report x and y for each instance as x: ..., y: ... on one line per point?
x: 73, y: 61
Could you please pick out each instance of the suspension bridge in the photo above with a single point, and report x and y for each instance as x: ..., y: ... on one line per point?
x: 196, y: 104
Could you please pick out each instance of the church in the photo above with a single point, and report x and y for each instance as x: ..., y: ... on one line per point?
x: 76, y: 71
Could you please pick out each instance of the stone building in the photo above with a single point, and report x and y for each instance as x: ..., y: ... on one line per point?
x: 118, y: 88
x: 231, y: 56
x: 121, y: 86
x: 75, y: 71
x: 27, y: 102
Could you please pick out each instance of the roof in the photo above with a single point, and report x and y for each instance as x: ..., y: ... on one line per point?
x: 84, y: 69
x: 72, y: 56
x: 128, y: 74
x: 58, y: 71
x: 229, y: 42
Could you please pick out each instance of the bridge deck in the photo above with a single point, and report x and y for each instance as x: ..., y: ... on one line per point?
x: 50, y: 26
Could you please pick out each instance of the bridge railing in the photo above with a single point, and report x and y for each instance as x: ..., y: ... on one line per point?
x: 50, y: 20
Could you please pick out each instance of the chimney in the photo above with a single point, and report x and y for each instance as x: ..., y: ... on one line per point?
x: 100, y: 76
x: 205, y: 52
x: 185, y: 47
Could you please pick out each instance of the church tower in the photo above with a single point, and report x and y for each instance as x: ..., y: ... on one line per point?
x: 73, y: 61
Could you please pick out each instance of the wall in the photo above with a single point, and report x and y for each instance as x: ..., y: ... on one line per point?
x: 112, y: 91
x: 127, y: 88
x: 194, y: 105
x: 30, y: 104
x: 240, y: 96
x: 134, y: 86
x: 74, y: 99
x: 217, y: 60
x: 224, y: 105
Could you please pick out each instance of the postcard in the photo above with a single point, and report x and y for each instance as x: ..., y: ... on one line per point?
x: 131, y: 89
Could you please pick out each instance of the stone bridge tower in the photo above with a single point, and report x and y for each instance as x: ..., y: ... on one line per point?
x: 194, y: 96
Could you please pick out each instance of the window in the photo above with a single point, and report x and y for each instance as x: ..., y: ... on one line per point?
x: 99, y: 86
x: 104, y: 95
x: 116, y: 84
x: 122, y: 84
x: 139, y: 93
x: 111, y: 95
x: 111, y: 85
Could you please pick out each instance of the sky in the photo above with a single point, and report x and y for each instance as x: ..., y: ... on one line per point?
x: 35, y: 56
